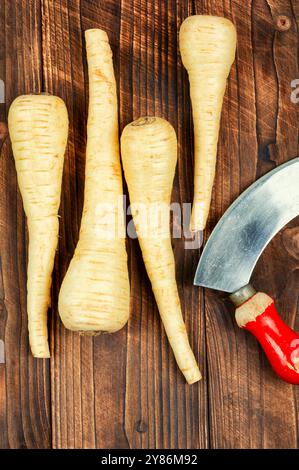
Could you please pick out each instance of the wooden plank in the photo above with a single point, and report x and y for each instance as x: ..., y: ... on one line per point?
x: 88, y: 374
x: 63, y: 76
x: 24, y: 381
x: 109, y: 350
x: 249, y: 406
x: 161, y: 410
x: 284, y: 268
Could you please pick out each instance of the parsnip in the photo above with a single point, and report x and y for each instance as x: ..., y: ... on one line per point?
x: 38, y: 127
x: 149, y: 156
x: 207, y: 45
x: 94, y: 295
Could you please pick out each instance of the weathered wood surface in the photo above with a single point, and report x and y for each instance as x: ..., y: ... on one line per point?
x: 125, y: 390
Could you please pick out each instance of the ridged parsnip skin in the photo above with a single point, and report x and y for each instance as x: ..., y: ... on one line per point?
x: 38, y: 127
x: 94, y: 295
x: 149, y: 156
x: 207, y: 45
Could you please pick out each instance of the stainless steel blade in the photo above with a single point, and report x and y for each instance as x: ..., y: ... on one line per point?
x: 245, y: 229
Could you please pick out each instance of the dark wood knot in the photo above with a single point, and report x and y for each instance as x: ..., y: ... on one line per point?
x: 141, y: 426
x: 283, y: 23
x: 3, y: 131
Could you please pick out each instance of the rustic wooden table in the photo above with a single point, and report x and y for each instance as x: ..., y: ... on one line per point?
x: 124, y: 390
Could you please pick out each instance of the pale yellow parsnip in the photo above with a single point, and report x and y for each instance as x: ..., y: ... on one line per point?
x: 38, y: 127
x: 207, y: 46
x: 149, y: 156
x: 94, y: 295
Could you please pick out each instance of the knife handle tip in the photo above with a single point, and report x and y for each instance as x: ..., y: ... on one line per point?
x: 259, y: 316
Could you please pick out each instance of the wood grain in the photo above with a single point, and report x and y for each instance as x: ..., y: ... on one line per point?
x: 87, y: 404
x: 158, y: 411
x: 24, y: 381
x: 124, y: 390
x: 251, y: 408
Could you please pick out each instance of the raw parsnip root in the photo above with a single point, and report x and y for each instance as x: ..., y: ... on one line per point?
x: 94, y: 295
x: 149, y: 155
x: 207, y: 45
x: 38, y: 127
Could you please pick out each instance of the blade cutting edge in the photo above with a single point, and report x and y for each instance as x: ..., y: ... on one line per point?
x: 246, y: 228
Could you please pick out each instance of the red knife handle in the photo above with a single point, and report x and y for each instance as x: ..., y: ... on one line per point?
x: 280, y: 343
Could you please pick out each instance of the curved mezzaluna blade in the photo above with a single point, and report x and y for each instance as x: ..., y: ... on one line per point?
x: 245, y: 229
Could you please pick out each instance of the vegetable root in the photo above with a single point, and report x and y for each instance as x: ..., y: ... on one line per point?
x: 207, y: 45
x: 94, y: 295
x: 38, y: 126
x: 149, y: 155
